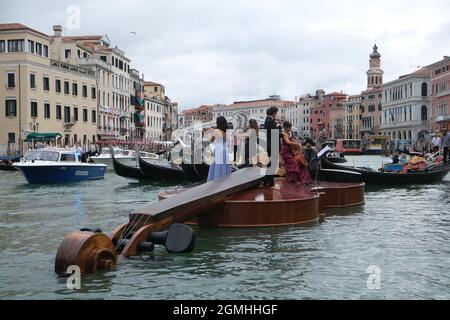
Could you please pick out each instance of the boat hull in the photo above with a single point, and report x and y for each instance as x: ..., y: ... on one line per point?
x: 161, y: 172
x: 390, y: 178
x: 41, y: 174
x: 196, y: 172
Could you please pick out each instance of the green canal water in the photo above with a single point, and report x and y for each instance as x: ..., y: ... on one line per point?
x: 405, y: 232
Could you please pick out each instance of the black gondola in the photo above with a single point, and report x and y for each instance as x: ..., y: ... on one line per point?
x: 160, y: 172
x: 370, y: 176
x: 127, y: 171
x: 196, y: 172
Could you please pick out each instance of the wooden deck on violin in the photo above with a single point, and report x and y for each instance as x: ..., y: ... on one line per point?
x: 198, y: 199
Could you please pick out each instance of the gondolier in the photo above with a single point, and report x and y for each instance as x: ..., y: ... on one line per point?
x: 445, y: 145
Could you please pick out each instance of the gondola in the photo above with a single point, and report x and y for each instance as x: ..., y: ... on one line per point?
x: 161, y: 172
x: 370, y: 176
x: 127, y: 171
x: 195, y: 172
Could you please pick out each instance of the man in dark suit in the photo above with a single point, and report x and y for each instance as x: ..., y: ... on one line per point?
x: 270, y: 125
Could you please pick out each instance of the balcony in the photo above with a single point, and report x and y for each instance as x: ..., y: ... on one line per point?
x: 443, y: 93
x: 93, y: 62
x: 71, y: 67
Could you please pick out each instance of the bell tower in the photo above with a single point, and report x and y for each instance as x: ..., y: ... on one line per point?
x: 375, y: 74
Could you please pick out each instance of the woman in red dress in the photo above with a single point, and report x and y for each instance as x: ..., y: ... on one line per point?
x: 294, y: 172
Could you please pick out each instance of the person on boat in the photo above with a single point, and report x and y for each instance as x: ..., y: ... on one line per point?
x: 395, y: 158
x: 221, y: 165
x: 445, y: 145
x: 311, y: 156
x: 436, y: 143
x: 291, y: 152
x: 271, y: 127
x: 251, y: 141
x: 236, y: 142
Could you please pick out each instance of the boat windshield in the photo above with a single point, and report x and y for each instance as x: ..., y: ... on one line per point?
x: 42, y: 156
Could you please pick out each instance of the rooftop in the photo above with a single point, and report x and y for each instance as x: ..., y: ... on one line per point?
x: 19, y: 27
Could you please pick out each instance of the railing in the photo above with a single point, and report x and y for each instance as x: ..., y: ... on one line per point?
x: 71, y: 67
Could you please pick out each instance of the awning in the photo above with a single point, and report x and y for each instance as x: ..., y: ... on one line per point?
x: 42, y: 137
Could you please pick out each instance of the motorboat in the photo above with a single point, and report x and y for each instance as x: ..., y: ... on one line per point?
x: 51, y: 165
x: 126, y: 157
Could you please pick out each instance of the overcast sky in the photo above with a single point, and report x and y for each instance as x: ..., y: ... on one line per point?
x: 207, y: 51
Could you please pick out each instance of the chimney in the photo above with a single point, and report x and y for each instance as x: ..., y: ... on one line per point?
x: 57, y: 30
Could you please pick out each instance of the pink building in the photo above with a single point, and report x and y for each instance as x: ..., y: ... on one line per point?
x: 320, y: 115
x: 440, y: 81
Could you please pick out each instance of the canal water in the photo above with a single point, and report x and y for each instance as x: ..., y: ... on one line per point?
x: 401, y: 234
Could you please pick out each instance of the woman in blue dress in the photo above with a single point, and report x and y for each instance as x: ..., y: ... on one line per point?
x: 221, y: 165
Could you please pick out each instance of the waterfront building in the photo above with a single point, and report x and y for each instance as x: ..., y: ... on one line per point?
x: 336, y: 118
x: 406, y: 117
x: 156, y: 93
x: 326, y: 117
x: 43, y: 94
x: 352, y: 117
x: 239, y: 113
x: 299, y: 113
x: 440, y: 101
x: 112, y: 69
x: 189, y: 117
x: 137, y: 100
x: 154, y: 119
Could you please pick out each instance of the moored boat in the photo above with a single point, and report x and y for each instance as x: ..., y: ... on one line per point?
x: 161, y: 171
x: 195, y: 172
x: 126, y: 157
x: 127, y: 171
x: 370, y: 176
x: 58, y: 166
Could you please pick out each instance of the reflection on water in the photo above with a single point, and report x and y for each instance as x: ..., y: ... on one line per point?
x: 404, y: 231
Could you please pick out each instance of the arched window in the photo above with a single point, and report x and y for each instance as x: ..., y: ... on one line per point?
x: 424, y: 113
x: 424, y: 89
x: 399, y: 135
x: 394, y: 136
x: 409, y: 135
x: 404, y: 135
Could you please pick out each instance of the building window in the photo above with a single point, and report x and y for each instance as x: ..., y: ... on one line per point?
x: 16, y: 45
x: 2, y: 45
x: 11, y: 80
x: 103, y: 58
x: 34, y: 109
x: 39, y: 49
x: 47, y: 111
x: 30, y: 46
x: 74, y: 89
x: 58, y: 112
x: 93, y: 93
x: 11, y: 137
x: 75, y: 114
x: 46, y: 51
x: 424, y: 113
x: 66, y: 87
x: 67, y: 114
x: 85, y: 115
x: 11, y: 108
x: 424, y: 89
x: 46, y: 84
x: 67, y: 54
x: 32, y: 81
x: 58, y: 86
x: 94, y: 116
x: 84, y: 89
